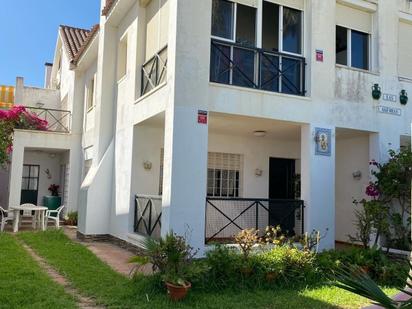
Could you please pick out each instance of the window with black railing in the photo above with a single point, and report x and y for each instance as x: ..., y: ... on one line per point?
x: 154, y: 71
x: 276, y: 65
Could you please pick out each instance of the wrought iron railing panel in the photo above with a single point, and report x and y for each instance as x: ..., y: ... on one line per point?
x: 154, y: 71
x: 57, y: 120
x: 238, y: 65
x: 147, y: 215
x: 225, y: 217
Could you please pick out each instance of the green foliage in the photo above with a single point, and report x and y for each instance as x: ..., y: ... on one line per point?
x: 71, y: 218
x: 358, y: 282
x: 377, y: 264
x: 6, y: 139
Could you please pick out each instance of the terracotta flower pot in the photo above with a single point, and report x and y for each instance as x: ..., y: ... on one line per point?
x: 177, y: 292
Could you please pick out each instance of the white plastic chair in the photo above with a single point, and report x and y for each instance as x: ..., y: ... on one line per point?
x: 29, y: 213
x: 55, y: 217
x: 5, y: 219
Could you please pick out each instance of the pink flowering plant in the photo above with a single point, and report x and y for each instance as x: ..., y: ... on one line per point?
x: 16, y: 118
x: 386, y: 209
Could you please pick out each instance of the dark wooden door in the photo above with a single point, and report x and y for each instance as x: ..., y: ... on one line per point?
x: 30, y: 184
x: 281, y: 187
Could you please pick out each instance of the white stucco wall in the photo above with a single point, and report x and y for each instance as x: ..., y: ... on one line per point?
x: 352, y: 155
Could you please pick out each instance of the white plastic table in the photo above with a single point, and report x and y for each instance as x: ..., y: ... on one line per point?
x: 39, y: 214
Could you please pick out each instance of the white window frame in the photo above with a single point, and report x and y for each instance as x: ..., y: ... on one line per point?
x: 90, y: 95
x: 349, y: 51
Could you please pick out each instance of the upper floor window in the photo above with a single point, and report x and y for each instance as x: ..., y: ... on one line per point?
x: 352, y: 48
x: 90, y: 95
x: 266, y: 57
x: 353, y: 36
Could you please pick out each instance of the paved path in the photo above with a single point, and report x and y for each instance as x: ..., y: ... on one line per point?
x: 115, y: 256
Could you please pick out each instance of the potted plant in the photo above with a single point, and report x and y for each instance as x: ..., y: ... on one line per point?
x: 173, y: 258
x: 53, y: 201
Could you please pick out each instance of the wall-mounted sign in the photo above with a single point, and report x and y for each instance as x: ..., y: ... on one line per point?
x: 389, y: 110
x: 319, y: 55
x: 389, y: 97
x: 323, y: 142
x: 202, y: 117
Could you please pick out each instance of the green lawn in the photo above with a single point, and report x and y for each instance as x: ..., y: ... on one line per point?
x: 23, y: 284
x: 94, y: 278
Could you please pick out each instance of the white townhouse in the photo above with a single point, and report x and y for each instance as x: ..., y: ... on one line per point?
x: 209, y: 116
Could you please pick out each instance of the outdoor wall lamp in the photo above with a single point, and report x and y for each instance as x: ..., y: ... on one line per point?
x: 258, y: 172
x: 147, y: 165
x: 47, y: 172
x: 403, y: 97
x: 357, y: 175
x: 376, y: 92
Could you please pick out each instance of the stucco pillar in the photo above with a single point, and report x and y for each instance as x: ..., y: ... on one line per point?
x: 185, y: 174
x: 318, y: 185
x: 16, y: 173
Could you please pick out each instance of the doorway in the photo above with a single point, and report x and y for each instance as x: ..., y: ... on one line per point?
x: 282, y: 194
x: 30, y: 184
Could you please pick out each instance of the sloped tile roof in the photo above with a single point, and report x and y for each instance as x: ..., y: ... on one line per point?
x: 108, y: 7
x: 76, y: 40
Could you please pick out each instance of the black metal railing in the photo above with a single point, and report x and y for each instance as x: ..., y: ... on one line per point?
x: 225, y: 217
x: 57, y: 120
x: 147, y: 215
x: 240, y: 65
x: 154, y: 71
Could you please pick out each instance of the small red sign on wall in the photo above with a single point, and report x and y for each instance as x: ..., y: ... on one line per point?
x: 202, y: 117
x: 319, y: 55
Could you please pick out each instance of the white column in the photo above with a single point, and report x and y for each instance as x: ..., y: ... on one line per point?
x: 318, y: 185
x: 16, y: 173
x: 185, y: 169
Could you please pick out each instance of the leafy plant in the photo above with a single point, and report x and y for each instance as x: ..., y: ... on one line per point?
x: 54, y: 190
x: 16, y: 118
x: 273, y: 235
x: 358, y: 282
x: 246, y: 239
x: 71, y: 218
x: 171, y: 256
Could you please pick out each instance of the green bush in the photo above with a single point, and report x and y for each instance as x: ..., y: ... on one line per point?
x: 380, y: 267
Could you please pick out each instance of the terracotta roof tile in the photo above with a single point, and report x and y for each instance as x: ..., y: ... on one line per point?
x: 107, y: 8
x: 76, y: 40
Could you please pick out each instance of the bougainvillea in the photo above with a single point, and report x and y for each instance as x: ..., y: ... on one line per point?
x: 16, y: 118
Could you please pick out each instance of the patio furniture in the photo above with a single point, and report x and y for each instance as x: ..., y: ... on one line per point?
x: 4, y: 218
x: 54, y: 215
x: 38, y: 218
x: 28, y: 213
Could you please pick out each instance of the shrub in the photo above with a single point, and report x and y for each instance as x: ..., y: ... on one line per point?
x: 71, y: 218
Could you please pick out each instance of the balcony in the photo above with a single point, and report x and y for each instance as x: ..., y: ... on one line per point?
x: 57, y: 120
x: 226, y: 217
x: 238, y: 65
x: 154, y: 71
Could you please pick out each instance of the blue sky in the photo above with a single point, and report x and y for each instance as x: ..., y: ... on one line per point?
x: 28, y: 34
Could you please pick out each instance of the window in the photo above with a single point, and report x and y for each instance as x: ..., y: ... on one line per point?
x: 222, y: 19
x: 30, y: 179
x: 352, y: 48
x: 235, y: 58
x: 122, y: 58
x: 90, y: 94
x: 223, y: 174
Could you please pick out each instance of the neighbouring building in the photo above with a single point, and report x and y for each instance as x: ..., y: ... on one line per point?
x: 206, y: 117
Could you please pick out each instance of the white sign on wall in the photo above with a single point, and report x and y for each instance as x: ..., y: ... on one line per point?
x: 389, y: 110
x: 389, y: 97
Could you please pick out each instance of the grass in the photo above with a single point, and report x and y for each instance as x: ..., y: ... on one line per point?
x: 23, y: 284
x: 94, y: 278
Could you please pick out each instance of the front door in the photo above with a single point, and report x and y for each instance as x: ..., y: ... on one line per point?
x: 281, y: 189
x: 30, y: 184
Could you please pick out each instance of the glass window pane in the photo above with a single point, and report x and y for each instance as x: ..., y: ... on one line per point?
x: 246, y: 25
x: 222, y: 19
x: 24, y: 183
x: 341, y: 45
x: 26, y: 170
x: 33, y: 184
x: 291, y: 81
x: 292, y: 30
x: 269, y: 72
x: 360, y: 50
x: 270, y: 26
x: 220, y: 64
x: 244, y: 70
x: 34, y: 171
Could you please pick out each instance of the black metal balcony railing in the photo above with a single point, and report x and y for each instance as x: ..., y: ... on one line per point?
x: 57, y: 120
x: 225, y: 217
x: 154, y: 71
x: 236, y: 64
x: 147, y: 215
